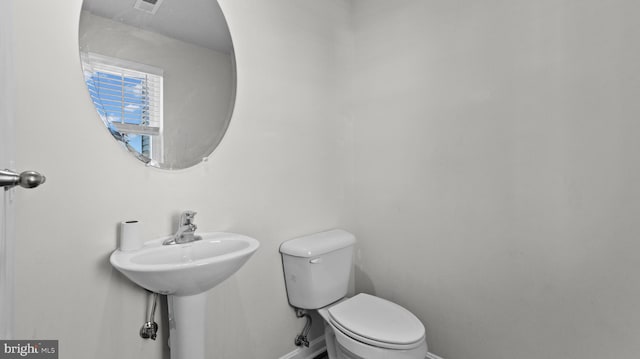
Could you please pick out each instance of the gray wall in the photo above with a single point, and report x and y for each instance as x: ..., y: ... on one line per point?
x: 276, y: 175
x: 496, y: 172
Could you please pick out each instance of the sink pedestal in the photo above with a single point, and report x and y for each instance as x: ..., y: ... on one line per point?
x: 187, y: 330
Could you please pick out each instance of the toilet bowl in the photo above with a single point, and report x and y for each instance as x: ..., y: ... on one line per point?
x: 317, y: 270
x: 369, y: 327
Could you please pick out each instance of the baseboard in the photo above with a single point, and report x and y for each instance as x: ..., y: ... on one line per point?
x: 316, y: 347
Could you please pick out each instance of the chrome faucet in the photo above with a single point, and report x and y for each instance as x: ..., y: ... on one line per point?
x: 186, y: 230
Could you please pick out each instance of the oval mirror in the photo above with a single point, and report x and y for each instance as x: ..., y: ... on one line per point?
x: 161, y: 75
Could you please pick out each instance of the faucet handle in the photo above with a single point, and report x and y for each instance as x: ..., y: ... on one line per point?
x: 187, y: 217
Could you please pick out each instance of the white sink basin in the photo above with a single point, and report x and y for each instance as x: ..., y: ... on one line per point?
x: 185, y: 269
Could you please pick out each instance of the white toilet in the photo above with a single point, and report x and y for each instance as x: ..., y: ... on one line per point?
x: 317, y: 270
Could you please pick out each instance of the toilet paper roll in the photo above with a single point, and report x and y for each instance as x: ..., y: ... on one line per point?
x: 130, y: 236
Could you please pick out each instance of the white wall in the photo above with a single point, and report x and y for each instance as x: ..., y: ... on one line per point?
x: 198, y: 83
x: 496, y: 172
x: 276, y: 175
x: 491, y: 170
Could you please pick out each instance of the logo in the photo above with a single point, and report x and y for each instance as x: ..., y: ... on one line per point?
x: 29, y: 349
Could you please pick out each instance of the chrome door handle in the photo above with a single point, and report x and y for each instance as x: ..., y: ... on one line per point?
x: 26, y: 179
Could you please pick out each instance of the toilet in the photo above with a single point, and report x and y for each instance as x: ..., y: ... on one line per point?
x: 317, y: 269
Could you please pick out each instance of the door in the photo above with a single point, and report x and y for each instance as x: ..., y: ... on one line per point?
x: 9, y: 180
x: 6, y: 156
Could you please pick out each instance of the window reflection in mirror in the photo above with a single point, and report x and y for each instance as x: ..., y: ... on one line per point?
x: 128, y: 99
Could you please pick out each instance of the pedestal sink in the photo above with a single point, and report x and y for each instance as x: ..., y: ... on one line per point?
x: 185, y: 272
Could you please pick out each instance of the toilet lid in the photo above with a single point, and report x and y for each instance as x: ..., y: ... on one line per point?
x: 377, y: 320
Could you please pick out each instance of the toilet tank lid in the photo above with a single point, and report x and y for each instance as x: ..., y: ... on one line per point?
x: 318, y: 243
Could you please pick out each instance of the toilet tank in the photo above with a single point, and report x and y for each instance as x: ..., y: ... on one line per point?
x: 317, y: 268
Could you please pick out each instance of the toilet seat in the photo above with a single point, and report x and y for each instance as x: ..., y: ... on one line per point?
x: 378, y: 322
